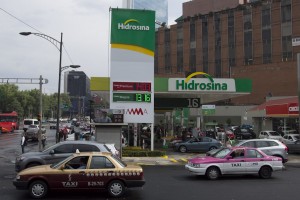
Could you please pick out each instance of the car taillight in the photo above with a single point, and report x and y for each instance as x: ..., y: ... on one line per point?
x: 285, y: 147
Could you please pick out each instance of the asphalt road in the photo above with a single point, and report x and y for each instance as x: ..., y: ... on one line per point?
x: 162, y: 182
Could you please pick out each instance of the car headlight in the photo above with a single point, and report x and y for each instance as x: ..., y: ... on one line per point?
x: 195, y: 165
x: 18, y: 177
x: 20, y: 158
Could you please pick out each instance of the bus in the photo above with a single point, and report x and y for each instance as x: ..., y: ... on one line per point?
x: 9, y: 122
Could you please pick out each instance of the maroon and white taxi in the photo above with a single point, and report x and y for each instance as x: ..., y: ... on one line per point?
x: 91, y: 170
x: 235, y: 160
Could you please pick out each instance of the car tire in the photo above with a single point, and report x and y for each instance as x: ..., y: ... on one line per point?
x: 116, y: 188
x: 265, y: 172
x: 213, y: 173
x: 38, y: 189
x: 212, y: 148
x: 182, y: 149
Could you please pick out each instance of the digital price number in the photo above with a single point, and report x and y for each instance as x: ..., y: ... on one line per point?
x: 132, y: 97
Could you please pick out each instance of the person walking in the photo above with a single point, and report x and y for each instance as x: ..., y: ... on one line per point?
x: 44, y: 137
x: 23, y: 142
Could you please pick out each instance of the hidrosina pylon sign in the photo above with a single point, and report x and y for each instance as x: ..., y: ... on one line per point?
x: 132, y: 64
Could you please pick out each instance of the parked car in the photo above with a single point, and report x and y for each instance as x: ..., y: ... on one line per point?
x: 286, y: 130
x: 268, y: 146
x: 294, y: 147
x: 32, y: 132
x: 28, y: 122
x: 57, y: 153
x: 244, y: 134
x: 86, y: 171
x: 201, y: 144
x: 52, y: 125
x: 290, y: 138
x: 270, y: 135
x: 237, y: 160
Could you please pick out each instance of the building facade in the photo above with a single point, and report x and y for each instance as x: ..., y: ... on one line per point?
x: 159, y: 6
x: 77, y: 85
x: 248, y: 39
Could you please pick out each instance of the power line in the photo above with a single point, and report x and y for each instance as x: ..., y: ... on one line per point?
x: 35, y: 30
x: 19, y: 20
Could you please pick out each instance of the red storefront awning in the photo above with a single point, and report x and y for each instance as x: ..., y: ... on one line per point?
x: 286, y: 107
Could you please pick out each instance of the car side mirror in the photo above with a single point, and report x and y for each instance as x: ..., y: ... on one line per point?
x: 51, y: 152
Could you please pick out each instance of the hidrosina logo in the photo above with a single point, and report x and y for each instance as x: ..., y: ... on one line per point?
x: 194, y: 85
x: 127, y: 25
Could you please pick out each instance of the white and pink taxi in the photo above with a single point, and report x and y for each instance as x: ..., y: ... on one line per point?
x: 235, y: 160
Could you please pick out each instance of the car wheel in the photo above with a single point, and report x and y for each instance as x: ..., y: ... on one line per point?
x: 265, y: 172
x: 116, y: 188
x: 213, y: 173
x: 212, y: 148
x: 182, y: 149
x: 38, y: 189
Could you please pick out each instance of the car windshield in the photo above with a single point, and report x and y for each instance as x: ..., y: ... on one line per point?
x: 274, y: 133
x: 222, y: 153
x: 56, y: 165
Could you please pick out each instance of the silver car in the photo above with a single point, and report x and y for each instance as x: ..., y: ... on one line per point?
x: 268, y: 146
x: 57, y: 153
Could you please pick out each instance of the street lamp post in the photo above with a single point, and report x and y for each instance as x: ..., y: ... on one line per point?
x: 58, y: 45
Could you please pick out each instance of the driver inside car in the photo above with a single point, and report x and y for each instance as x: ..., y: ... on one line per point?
x: 73, y: 164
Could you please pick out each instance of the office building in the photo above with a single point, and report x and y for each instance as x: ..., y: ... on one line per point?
x: 159, y: 6
x: 77, y: 85
x: 258, y: 40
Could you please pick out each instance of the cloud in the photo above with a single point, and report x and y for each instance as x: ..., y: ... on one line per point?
x: 85, y: 28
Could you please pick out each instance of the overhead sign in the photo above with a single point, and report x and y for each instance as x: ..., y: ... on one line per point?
x: 202, y: 84
x: 208, y: 109
x: 132, y: 64
x: 177, y: 103
x: 131, y: 86
x: 132, y: 97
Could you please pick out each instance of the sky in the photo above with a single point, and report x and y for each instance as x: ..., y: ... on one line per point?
x: 85, y: 28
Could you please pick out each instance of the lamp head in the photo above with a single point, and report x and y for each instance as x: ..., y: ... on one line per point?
x: 25, y: 33
x: 74, y: 66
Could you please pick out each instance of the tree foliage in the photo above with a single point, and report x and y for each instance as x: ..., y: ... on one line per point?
x: 27, y: 103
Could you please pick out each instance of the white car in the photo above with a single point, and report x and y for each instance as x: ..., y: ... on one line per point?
x: 290, y: 138
x: 236, y: 160
x: 270, y: 135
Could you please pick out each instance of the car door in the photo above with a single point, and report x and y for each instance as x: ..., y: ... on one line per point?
x: 294, y: 147
x: 69, y: 176
x: 101, y: 170
x: 194, y: 145
x: 236, y: 163
x: 253, y: 161
x: 58, y: 153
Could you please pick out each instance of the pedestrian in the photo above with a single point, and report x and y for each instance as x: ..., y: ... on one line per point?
x: 65, y: 132
x: 44, y: 137
x: 23, y: 142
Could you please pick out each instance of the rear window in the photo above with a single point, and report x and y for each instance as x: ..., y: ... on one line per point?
x: 27, y: 122
x: 274, y: 133
x: 272, y: 143
x: 246, y: 144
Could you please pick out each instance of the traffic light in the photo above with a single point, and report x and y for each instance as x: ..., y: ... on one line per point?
x: 39, y: 117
